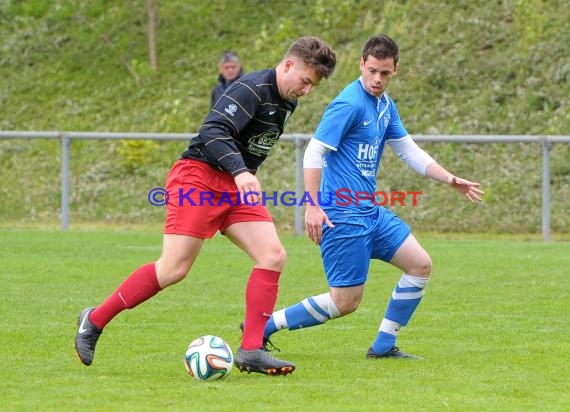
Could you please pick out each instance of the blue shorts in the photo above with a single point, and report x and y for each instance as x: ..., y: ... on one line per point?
x: 347, y: 248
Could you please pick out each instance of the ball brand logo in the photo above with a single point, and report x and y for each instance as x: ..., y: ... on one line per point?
x: 343, y: 197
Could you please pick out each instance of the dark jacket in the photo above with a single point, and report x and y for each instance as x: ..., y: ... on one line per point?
x: 221, y: 87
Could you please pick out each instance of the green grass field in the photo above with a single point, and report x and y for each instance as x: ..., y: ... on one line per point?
x: 493, y: 330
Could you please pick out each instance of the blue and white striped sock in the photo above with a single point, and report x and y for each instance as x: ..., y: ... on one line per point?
x: 309, y: 312
x: 405, y: 299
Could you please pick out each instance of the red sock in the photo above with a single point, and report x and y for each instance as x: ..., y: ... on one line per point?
x: 260, y: 298
x: 140, y: 286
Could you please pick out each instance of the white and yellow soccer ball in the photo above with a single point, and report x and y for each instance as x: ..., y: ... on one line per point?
x: 209, y: 357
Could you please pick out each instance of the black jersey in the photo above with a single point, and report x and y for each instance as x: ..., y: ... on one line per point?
x: 238, y: 133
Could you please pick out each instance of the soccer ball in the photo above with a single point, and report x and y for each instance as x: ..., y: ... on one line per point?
x: 209, y: 358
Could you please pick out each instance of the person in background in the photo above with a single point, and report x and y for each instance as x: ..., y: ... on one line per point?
x: 230, y: 69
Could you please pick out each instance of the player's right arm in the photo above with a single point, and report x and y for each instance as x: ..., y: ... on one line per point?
x: 248, y: 185
x: 337, y: 120
x: 312, y: 173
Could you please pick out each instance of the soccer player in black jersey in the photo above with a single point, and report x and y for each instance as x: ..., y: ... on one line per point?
x: 221, y: 162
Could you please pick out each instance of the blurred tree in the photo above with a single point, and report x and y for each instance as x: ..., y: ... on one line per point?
x: 151, y: 12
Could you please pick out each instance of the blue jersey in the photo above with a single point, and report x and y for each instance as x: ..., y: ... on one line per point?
x: 355, y: 126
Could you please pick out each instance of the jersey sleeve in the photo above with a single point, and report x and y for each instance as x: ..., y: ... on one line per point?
x: 230, y: 114
x: 395, y: 129
x: 335, y: 123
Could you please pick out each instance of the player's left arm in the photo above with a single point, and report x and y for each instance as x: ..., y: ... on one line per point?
x: 420, y: 161
x: 471, y: 190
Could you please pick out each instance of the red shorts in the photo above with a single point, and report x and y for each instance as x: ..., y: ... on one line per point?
x: 203, y: 200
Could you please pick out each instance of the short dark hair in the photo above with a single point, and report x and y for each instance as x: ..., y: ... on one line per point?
x: 381, y: 47
x: 316, y: 53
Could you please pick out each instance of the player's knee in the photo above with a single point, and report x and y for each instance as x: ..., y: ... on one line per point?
x: 346, y: 306
x: 280, y: 258
x: 425, y: 267
x: 421, y: 267
x: 169, y: 274
x: 172, y: 277
x: 179, y: 273
x: 274, y: 259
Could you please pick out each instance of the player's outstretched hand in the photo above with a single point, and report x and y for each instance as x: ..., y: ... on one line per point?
x: 470, y: 190
x: 314, y: 219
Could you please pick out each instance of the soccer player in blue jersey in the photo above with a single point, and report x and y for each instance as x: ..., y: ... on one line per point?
x: 345, y: 155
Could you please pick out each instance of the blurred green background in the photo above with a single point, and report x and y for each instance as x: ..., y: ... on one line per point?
x: 466, y: 67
